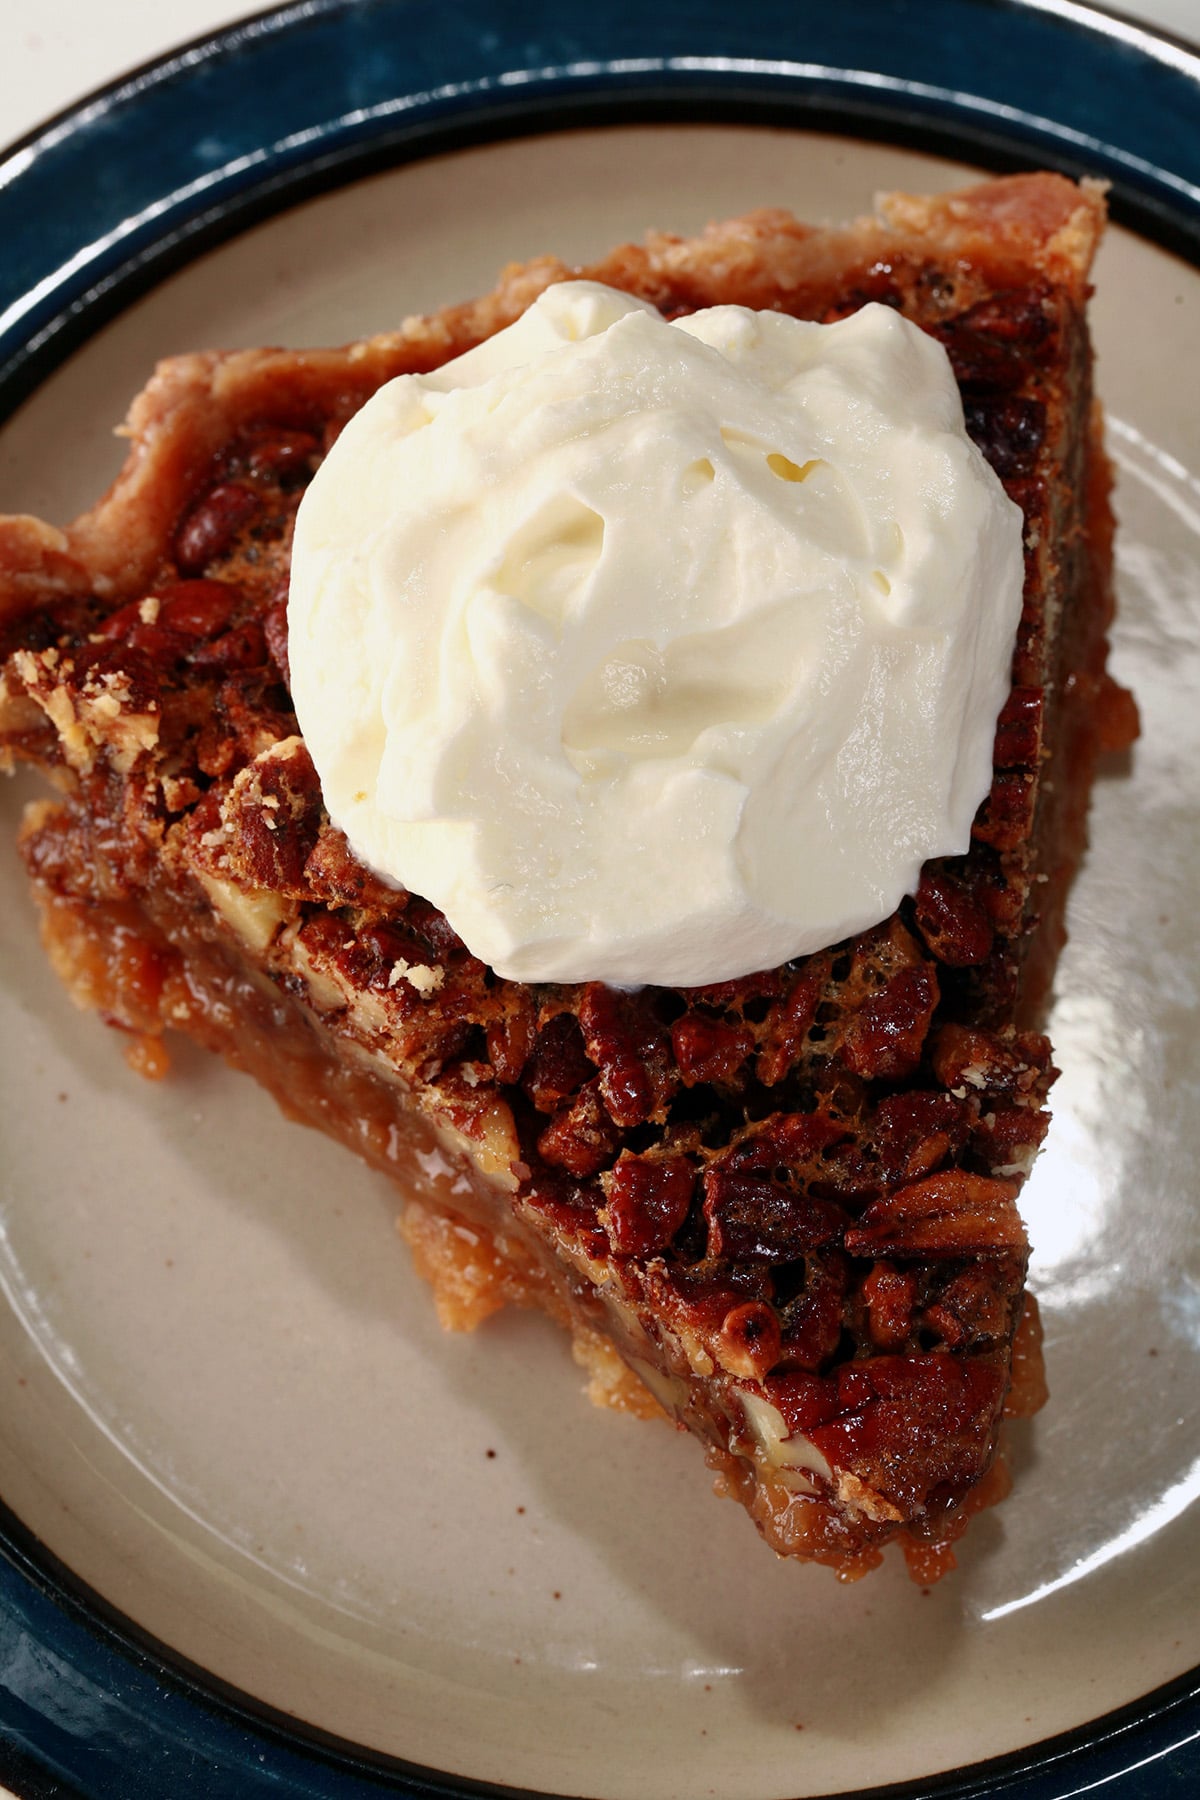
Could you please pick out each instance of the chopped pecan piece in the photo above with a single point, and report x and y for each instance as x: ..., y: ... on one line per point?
x: 242, y: 647
x: 1019, y: 729
x: 510, y: 1037
x: 569, y: 1207
x: 953, y: 923
x: 631, y: 1051
x: 916, y: 1131
x: 756, y: 1198
x: 1009, y: 431
x: 749, y: 1341
x: 889, y: 1293
x: 198, y: 609
x: 973, y: 1310
x: 709, y: 1050
x: 275, y: 633
x: 989, y: 344
x: 812, y: 1321
x: 581, y: 1138
x: 647, y: 1201
x: 271, y: 817
x: 953, y: 1213
x: 789, y: 1021
x: 212, y: 524
x: 105, y: 703
x: 557, y: 1065
x: 970, y: 1057
x: 889, y: 1408
x: 1007, y: 1137
x: 1005, y: 818
x: 884, y: 1039
x: 334, y: 875
x: 278, y: 454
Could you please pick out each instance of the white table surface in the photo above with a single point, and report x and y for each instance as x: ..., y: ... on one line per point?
x: 61, y: 49
x: 56, y: 54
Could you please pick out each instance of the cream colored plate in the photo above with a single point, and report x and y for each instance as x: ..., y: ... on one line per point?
x: 224, y: 1401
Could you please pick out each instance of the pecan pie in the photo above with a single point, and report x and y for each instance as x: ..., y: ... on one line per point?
x: 783, y: 1206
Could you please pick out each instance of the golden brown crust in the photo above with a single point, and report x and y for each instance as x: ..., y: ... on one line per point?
x: 1044, y: 221
x: 1015, y: 228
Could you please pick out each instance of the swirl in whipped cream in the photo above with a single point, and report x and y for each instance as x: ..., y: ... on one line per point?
x: 657, y: 652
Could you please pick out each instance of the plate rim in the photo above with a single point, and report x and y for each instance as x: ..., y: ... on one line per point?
x: 128, y: 1673
x: 1141, y: 84
x: 44, y: 1603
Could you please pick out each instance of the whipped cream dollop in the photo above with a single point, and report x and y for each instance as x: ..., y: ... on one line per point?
x: 657, y: 652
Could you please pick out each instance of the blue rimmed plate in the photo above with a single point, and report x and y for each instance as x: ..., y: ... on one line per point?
x: 252, y: 1516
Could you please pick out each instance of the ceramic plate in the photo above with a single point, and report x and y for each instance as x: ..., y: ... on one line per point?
x: 266, y: 1530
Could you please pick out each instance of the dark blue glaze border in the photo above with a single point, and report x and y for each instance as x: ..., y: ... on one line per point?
x: 105, y: 199
x: 91, y: 1708
x: 124, y: 186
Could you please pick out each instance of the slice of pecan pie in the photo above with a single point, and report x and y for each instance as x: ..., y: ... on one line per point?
x: 785, y: 1206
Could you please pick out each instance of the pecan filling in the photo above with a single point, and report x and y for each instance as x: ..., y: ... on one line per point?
x: 789, y: 1201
